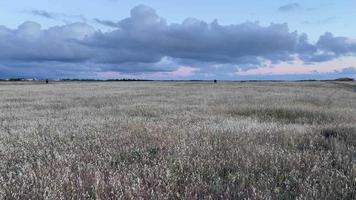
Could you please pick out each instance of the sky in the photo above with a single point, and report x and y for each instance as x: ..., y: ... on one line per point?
x: 178, y: 39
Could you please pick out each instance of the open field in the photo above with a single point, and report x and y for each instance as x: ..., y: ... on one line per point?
x: 176, y: 140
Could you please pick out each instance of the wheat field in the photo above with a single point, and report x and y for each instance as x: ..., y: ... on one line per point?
x: 178, y: 140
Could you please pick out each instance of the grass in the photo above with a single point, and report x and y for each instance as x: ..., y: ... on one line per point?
x: 160, y: 140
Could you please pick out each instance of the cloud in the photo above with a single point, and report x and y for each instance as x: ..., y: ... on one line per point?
x: 336, y: 45
x: 30, y: 43
x: 289, y: 7
x: 321, y: 6
x: 330, y: 47
x: 43, y: 13
x: 297, y: 67
x: 348, y: 71
x: 108, y: 23
x: 56, y: 16
x: 145, y: 43
x: 328, y: 20
x: 146, y: 37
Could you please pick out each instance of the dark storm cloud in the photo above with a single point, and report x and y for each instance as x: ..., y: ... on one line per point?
x: 289, y: 7
x: 146, y: 37
x: 145, y: 42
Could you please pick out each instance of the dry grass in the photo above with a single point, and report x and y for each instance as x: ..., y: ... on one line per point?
x: 152, y: 140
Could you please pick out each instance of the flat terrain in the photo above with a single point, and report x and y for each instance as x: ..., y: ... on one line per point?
x: 178, y: 140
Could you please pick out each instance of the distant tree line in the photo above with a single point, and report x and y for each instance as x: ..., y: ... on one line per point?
x: 19, y: 79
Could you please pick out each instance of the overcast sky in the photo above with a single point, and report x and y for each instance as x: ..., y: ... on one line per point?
x: 178, y: 39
